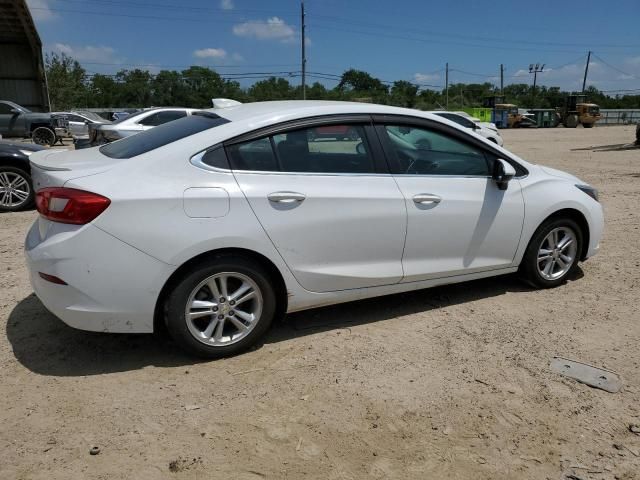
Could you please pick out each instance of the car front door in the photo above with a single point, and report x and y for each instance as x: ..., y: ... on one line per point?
x: 459, y: 221
x: 327, y: 202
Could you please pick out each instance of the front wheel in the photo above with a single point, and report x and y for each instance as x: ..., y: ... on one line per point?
x: 553, y: 253
x: 220, y: 307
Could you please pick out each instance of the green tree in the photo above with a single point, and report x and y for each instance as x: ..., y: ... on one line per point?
x: 67, y: 82
x: 356, y: 84
x: 403, y: 94
x: 271, y: 89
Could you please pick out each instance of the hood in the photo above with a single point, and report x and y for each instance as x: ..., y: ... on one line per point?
x: 560, y: 174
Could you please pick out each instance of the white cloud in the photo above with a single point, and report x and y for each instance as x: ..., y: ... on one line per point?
x: 426, y: 77
x: 40, y: 10
x: 210, y: 53
x: 86, y: 53
x: 236, y: 57
x: 226, y: 4
x: 273, y: 28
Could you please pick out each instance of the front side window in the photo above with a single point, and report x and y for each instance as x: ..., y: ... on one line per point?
x: 420, y: 151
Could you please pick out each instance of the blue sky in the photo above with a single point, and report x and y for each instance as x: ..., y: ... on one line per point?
x: 405, y: 39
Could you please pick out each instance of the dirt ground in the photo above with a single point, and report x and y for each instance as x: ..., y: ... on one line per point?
x: 449, y: 383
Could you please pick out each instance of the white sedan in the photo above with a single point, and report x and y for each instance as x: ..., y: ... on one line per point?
x: 215, y: 224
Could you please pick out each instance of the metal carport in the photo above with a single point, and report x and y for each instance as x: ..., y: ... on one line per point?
x: 22, y: 75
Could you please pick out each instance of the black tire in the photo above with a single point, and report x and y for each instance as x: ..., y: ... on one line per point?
x: 15, y: 174
x: 587, y: 125
x: 571, y: 121
x: 529, y: 266
x: 176, y: 302
x: 43, y: 136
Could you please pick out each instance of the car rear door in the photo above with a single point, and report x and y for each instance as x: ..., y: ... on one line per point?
x: 459, y: 221
x: 328, y: 204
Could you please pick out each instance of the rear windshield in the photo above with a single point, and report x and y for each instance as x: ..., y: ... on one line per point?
x: 162, y: 135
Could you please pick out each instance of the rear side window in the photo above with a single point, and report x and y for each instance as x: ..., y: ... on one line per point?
x: 151, y: 139
x: 255, y: 155
x: 321, y: 149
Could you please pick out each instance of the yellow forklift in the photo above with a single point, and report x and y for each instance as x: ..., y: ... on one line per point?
x: 505, y: 115
x: 576, y: 111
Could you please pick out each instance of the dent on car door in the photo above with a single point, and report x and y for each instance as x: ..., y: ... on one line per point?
x: 334, y: 218
x: 459, y: 221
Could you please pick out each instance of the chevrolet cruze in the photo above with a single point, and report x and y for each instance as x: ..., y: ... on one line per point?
x: 215, y: 224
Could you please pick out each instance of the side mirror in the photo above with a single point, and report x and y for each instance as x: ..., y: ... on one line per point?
x: 15, y: 111
x: 503, y: 172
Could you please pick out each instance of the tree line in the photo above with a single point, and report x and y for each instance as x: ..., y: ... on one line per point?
x: 71, y: 87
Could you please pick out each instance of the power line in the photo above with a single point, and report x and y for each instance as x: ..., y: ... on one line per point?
x: 614, y: 67
x: 431, y: 41
x: 475, y: 38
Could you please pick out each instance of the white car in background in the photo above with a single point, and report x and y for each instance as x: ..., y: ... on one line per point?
x: 100, y: 134
x: 217, y: 223
x: 486, y: 129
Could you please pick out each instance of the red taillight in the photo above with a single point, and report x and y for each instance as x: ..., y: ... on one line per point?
x: 68, y: 205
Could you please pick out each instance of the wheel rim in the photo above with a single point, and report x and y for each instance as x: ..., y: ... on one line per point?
x: 223, y: 309
x: 44, y: 137
x: 14, y: 189
x: 557, y: 253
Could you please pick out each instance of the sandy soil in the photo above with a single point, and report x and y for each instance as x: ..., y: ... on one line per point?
x: 449, y: 383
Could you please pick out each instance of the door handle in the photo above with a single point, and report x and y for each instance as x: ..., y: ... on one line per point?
x: 427, y: 199
x: 286, y: 197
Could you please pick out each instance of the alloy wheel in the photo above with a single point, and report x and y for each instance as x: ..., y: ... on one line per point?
x: 557, y: 253
x: 223, y: 309
x: 14, y: 190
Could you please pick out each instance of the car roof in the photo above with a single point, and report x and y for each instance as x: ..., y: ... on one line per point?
x: 278, y: 111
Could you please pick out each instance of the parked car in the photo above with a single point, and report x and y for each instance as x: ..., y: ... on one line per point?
x: 16, y: 190
x: 119, y: 116
x: 487, y: 130
x: 215, y: 224
x: 79, y: 121
x: 100, y: 134
x: 43, y: 128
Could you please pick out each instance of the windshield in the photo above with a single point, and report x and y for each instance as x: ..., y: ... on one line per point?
x: 92, y: 116
x: 162, y: 135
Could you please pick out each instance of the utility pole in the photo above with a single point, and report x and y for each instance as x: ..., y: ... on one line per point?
x: 304, y: 56
x: 586, y: 70
x: 501, y: 79
x: 446, y: 87
x: 535, y: 69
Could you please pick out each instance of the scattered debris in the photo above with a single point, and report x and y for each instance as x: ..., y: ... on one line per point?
x: 571, y: 476
x: 304, y: 398
x: 634, y: 429
x: 94, y: 451
x: 248, y: 371
x: 482, y: 382
x: 181, y: 464
x: 299, y: 444
x: 188, y: 408
x: 587, y: 374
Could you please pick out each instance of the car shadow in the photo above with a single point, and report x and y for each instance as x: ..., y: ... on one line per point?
x: 46, y: 346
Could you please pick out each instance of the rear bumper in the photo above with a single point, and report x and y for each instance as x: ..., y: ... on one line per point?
x: 111, y: 286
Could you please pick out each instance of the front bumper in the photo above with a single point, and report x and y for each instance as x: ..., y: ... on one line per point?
x: 111, y: 286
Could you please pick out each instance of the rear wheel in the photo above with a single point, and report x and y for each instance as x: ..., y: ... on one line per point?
x: 44, y: 136
x: 587, y: 125
x: 16, y: 192
x: 553, y: 253
x: 221, y: 307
